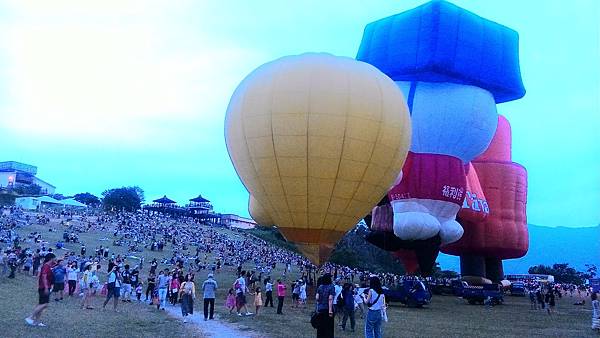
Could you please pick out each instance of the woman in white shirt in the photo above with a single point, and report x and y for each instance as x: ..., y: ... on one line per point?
x: 375, y: 302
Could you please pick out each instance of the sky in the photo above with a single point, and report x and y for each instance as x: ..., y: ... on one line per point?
x: 103, y: 94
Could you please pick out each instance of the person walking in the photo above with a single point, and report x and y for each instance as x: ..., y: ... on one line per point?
x: 281, y: 288
x: 230, y: 300
x: 209, y: 288
x: 376, y: 304
x: 324, y: 298
x: 188, y: 295
x: 269, y: 292
x: 115, y: 281
x: 45, y: 281
x: 163, y: 288
x: 151, y: 286
x: 174, y: 289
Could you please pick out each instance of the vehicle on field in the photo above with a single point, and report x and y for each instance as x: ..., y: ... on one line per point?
x: 518, y: 289
x: 477, y: 294
x: 412, y: 293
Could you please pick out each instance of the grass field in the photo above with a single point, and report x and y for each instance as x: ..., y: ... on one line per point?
x: 446, y: 317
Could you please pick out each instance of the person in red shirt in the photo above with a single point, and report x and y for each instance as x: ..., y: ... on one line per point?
x: 45, y: 281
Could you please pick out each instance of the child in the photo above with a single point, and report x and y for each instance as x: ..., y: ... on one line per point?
x: 138, y: 291
x: 258, y: 302
x: 230, y: 302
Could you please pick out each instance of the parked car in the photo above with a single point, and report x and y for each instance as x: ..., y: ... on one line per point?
x: 477, y: 294
x: 413, y: 293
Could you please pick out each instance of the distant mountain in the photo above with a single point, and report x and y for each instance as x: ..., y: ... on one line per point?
x: 549, y: 245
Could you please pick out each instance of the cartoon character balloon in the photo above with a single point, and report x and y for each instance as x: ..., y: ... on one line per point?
x: 453, y: 67
x: 503, y: 233
x: 317, y: 140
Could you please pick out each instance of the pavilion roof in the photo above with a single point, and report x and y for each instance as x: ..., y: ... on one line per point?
x: 164, y: 200
x: 199, y: 199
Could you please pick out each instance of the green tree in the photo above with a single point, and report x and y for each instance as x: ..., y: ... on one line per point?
x: 591, y: 271
x: 562, y: 273
x: 437, y: 272
x: 87, y: 199
x: 124, y: 198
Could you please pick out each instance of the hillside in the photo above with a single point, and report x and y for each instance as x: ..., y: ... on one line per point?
x: 549, y: 245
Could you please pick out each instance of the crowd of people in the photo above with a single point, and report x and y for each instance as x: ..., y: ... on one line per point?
x: 183, y: 253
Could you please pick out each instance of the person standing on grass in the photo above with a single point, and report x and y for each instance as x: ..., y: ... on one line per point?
x: 240, y: 294
x: 258, y: 302
x: 280, y: 296
x: 324, y: 297
x: 348, y: 297
x: 209, y: 287
x: 375, y: 303
x: 72, y: 273
x: 59, y: 273
x: 303, y: 293
x: 113, y: 287
x: 45, y: 281
x: 595, y: 312
x: 37, y: 260
x: 269, y: 292
x: 188, y: 294
x: 126, y: 286
x: 86, y: 285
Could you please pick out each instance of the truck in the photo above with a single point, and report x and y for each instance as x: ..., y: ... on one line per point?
x: 412, y: 293
x: 477, y: 294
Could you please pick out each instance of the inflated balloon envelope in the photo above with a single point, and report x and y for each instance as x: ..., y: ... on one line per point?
x: 258, y: 213
x: 317, y: 140
x: 441, y: 42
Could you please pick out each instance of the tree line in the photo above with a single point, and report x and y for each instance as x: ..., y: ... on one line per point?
x: 563, y: 273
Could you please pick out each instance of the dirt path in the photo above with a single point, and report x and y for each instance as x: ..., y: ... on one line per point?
x: 212, y: 328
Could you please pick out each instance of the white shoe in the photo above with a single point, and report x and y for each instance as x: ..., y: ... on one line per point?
x: 29, y: 321
x: 249, y: 313
x: 239, y: 314
x: 40, y: 324
x: 185, y: 320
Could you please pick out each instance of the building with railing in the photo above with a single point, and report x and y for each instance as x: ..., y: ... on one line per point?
x: 14, y: 174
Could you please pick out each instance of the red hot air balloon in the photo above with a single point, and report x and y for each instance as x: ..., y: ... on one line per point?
x: 503, y: 233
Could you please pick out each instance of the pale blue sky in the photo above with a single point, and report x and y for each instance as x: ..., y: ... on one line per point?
x: 110, y: 93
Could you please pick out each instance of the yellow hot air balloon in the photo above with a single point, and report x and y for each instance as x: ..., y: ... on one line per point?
x: 317, y: 140
x: 258, y: 213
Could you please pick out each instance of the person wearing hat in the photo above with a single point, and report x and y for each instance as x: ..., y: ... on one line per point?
x: 45, y: 281
x: 209, y: 287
